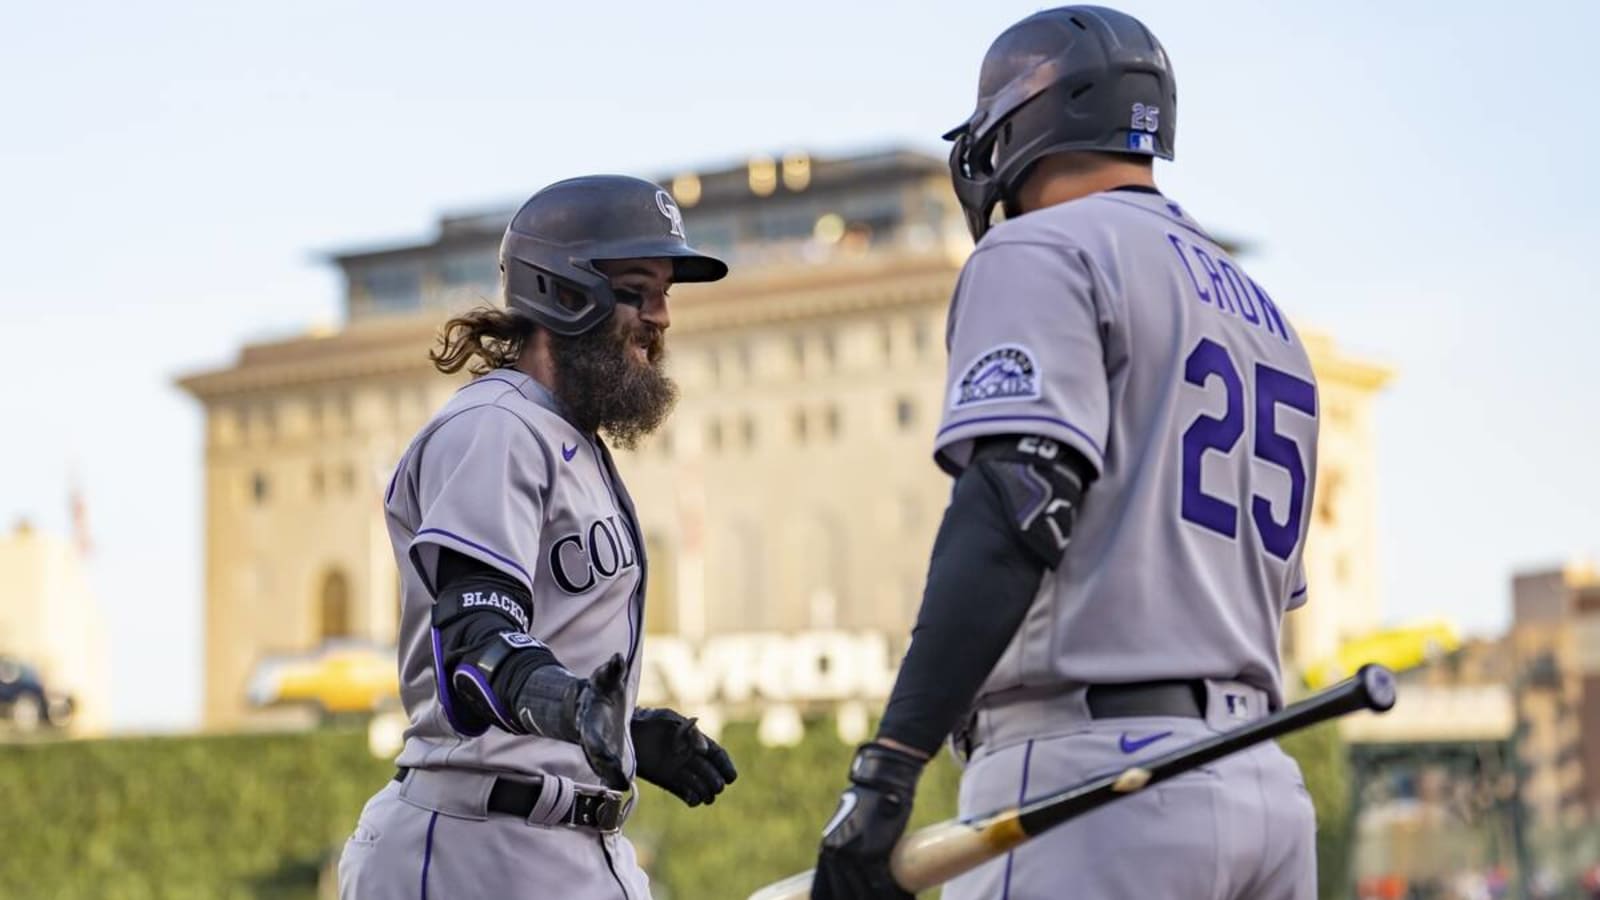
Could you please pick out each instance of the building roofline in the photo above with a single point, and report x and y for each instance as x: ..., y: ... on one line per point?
x: 844, y: 169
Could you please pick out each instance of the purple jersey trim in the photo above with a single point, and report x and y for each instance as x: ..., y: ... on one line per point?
x: 481, y: 548
x: 1300, y: 591
x: 427, y: 854
x: 476, y: 678
x: 444, y: 692
x: 1050, y: 420
x: 1022, y: 795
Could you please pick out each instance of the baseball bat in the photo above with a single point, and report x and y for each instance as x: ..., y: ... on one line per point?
x: 933, y: 855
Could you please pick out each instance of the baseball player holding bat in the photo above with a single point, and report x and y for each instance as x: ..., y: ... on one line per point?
x: 1131, y: 423
x: 523, y: 573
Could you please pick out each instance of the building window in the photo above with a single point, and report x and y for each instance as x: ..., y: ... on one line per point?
x: 886, y: 341
x: 319, y: 482
x: 831, y: 421
x: 800, y: 425
x: 921, y: 337
x: 347, y: 478
x: 1329, y: 495
x: 830, y: 350
x: 743, y: 355
x: 334, y: 606
x: 261, y: 424
x: 470, y: 269
x: 344, y: 410
x: 714, y: 435
x: 714, y: 366
x: 797, y: 351
x: 259, y: 488
x: 905, y: 413
x: 747, y: 431
x: 394, y: 288
x: 664, y: 442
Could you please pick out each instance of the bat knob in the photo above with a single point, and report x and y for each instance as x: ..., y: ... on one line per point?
x: 1378, y: 685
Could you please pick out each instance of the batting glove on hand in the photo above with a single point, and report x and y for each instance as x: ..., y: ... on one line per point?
x: 853, y: 863
x: 600, y: 719
x: 678, y: 757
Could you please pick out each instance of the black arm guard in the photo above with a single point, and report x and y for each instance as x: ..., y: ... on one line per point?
x: 1009, y: 519
x: 1040, y: 484
x: 487, y: 658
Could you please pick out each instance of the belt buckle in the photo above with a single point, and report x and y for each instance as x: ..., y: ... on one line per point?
x: 601, y: 811
x: 608, y: 815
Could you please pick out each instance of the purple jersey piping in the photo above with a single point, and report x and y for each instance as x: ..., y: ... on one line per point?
x: 444, y: 692
x: 477, y: 680
x: 477, y: 546
x: 427, y: 854
x: 1022, y: 796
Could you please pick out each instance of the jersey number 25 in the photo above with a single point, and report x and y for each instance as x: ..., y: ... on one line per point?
x: 1272, y: 388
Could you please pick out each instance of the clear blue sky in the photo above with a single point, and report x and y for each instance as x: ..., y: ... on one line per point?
x: 1412, y: 175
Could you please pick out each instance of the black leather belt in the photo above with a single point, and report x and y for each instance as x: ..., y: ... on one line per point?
x: 599, y: 810
x: 1147, y: 698
x: 1185, y: 699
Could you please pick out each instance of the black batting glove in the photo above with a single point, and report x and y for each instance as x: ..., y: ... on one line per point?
x: 677, y: 757
x: 853, y: 863
x: 599, y: 717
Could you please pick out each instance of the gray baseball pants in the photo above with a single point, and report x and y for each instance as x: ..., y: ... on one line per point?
x: 1241, y: 828
x: 432, y: 838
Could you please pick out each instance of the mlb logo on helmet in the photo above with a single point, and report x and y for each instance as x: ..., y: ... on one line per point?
x: 1144, y: 122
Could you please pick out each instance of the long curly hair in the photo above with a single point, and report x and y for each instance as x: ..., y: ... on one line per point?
x: 481, y: 340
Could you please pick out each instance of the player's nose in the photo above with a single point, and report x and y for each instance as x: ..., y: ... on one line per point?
x: 655, y: 311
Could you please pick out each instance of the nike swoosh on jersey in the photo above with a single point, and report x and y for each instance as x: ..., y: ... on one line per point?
x: 1137, y: 744
x: 567, y: 453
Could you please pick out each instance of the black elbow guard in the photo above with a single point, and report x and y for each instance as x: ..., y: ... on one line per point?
x: 1040, y: 484
x: 480, y: 632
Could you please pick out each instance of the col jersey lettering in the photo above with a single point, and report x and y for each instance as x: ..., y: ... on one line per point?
x: 500, y: 476
x: 1116, y: 325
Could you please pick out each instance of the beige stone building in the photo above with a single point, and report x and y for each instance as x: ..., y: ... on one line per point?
x: 791, y: 495
x: 50, y: 620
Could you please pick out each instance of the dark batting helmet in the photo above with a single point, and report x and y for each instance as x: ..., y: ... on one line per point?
x: 1072, y: 78
x: 548, y: 255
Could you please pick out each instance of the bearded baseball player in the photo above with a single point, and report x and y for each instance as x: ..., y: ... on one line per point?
x: 1131, y: 423
x: 523, y: 573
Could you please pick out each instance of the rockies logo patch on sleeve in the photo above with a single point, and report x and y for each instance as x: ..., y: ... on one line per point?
x: 1005, y: 373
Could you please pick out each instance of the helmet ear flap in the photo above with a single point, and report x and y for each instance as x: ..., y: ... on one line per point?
x: 563, y: 305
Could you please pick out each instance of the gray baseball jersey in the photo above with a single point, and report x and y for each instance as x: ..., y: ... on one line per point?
x: 500, y: 476
x: 1118, y: 326
x: 1114, y: 324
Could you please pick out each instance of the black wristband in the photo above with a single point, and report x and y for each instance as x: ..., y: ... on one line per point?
x: 885, y: 768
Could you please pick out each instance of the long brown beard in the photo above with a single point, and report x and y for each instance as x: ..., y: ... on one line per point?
x: 605, y: 388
